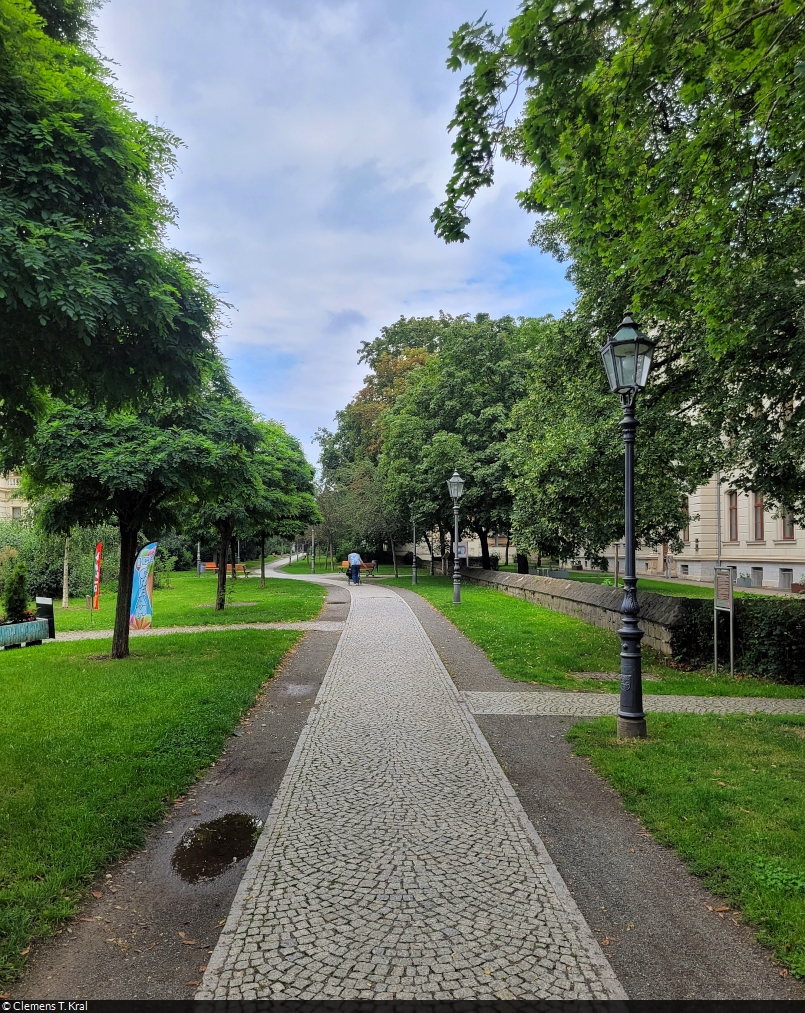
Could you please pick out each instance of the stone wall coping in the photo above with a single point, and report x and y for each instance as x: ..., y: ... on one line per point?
x: 657, y: 608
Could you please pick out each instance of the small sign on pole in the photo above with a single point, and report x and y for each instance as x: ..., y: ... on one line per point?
x: 723, y: 602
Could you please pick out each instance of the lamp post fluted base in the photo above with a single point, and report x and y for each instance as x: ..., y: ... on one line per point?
x: 631, y: 728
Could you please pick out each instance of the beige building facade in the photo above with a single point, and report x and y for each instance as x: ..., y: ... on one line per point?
x: 763, y: 548
x: 12, y: 506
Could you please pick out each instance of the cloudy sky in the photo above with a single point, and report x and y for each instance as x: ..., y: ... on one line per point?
x: 316, y: 149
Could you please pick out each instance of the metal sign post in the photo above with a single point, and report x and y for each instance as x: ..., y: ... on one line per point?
x: 723, y: 602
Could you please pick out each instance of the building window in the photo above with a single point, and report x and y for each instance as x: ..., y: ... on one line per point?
x: 732, y: 512
x: 757, y: 576
x: 684, y: 568
x: 788, y: 526
x: 758, y: 516
x: 786, y: 579
x: 685, y: 504
x: 16, y: 513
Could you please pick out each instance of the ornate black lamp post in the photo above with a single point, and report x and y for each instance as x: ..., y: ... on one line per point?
x: 456, y: 486
x: 413, y: 563
x: 627, y: 359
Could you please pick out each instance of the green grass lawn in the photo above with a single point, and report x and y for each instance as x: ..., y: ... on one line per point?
x: 187, y: 604
x: 728, y: 793
x: 94, y: 750
x: 533, y: 644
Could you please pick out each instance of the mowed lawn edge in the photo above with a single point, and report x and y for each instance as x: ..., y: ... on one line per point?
x: 727, y: 793
x: 190, y: 600
x: 94, y: 752
x: 531, y: 643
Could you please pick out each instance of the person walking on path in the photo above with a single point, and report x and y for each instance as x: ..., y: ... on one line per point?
x: 355, y: 567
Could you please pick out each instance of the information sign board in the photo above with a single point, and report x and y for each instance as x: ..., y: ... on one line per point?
x: 723, y: 602
x: 723, y: 588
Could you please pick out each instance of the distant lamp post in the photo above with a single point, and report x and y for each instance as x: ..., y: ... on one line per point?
x: 413, y: 562
x: 627, y: 360
x: 456, y: 486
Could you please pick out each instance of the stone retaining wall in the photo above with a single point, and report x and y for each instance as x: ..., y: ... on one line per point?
x: 659, y: 614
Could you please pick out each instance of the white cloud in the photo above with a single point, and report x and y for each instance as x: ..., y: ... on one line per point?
x: 316, y: 151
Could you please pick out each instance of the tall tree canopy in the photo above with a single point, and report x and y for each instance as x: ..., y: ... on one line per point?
x: 454, y: 413
x: 565, y: 454
x: 92, y: 303
x: 665, y: 141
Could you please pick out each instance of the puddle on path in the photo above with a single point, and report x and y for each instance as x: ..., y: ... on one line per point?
x: 209, y: 849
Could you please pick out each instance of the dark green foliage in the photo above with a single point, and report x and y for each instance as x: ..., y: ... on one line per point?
x: 92, y: 303
x: 665, y: 142
x: 67, y: 20
x: 15, y: 594
x: 769, y: 637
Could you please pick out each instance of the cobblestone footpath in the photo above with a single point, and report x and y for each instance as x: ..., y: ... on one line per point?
x: 397, y: 862
x: 599, y: 704
x: 323, y: 625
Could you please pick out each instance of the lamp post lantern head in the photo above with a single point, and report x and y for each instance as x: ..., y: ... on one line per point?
x: 627, y: 358
x: 456, y: 485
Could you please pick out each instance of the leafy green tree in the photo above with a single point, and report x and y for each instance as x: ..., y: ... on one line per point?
x: 92, y: 303
x: 455, y: 414
x: 565, y: 454
x: 285, y: 502
x: 665, y: 143
x: 138, y: 469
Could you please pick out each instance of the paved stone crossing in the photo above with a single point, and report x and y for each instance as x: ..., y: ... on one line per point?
x: 397, y: 861
x: 599, y: 704
x: 323, y: 625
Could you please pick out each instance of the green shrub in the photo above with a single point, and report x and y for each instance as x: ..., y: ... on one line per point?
x: 769, y: 637
x: 15, y: 595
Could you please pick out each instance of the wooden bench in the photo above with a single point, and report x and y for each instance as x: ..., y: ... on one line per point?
x: 365, y: 567
x: 213, y: 568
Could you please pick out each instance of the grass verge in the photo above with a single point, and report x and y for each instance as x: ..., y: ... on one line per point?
x: 93, y: 751
x: 728, y: 793
x: 533, y: 644
x: 189, y: 603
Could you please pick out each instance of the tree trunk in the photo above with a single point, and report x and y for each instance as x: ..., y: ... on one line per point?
x: 263, y: 559
x: 233, y: 551
x: 128, y: 554
x: 394, y: 556
x: 65, y: 580
x: 430, y: 550
x: 220, y: 594
x: 484, y: 540
x: 507, y: 548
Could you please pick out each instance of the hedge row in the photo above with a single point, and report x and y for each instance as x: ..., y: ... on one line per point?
x: 769, y: 637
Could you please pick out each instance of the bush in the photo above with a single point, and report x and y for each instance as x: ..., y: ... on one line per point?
x: 15, y: 595
x: 769, y: 637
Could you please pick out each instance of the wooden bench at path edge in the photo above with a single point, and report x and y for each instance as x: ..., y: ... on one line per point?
x: 213, y: 568
x: 365, y: 567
